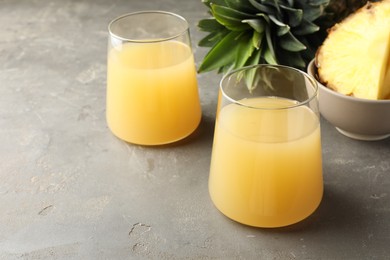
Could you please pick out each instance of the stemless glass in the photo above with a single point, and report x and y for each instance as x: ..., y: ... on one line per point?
x: 152, y: 91
x: 266, y: 165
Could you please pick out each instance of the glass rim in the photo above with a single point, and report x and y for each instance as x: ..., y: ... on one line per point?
x: 163, y: 39
x: 312, y: 80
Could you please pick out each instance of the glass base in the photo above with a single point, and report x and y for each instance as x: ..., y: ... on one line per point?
x: 176, y: 140
x: 265, y: 222
x: 363, y: 137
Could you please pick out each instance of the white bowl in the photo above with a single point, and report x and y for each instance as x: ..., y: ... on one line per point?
x: 358, y: 118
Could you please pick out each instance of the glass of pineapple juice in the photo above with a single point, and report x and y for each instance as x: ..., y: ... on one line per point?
x: 266, y: 164
x: 152, y: 92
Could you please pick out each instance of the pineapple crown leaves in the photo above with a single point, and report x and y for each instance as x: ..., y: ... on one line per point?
x: 247, y: 32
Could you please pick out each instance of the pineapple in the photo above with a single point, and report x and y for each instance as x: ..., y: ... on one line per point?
x: 337, y: 10
x: 288, y: 32
x: 355, y: 57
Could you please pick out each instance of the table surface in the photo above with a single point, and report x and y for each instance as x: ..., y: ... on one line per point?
x: 69, y: 189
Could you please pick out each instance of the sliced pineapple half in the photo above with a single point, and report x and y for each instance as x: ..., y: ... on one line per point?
x: 384, y: 90
x: 354, y: 59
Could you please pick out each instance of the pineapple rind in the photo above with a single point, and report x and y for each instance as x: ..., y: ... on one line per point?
x: 353, y: 59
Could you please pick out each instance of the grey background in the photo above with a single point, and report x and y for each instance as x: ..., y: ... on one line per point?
x: 69, y: 189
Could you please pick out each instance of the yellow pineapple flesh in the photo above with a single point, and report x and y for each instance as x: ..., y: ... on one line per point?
x: 384, y: 91
x: 355, y: 57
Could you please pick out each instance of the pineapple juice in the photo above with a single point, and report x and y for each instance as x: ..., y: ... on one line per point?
x: 266, y: 167
x: 152, y: 94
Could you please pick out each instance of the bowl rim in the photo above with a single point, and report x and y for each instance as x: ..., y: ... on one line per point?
x: 312, y: 70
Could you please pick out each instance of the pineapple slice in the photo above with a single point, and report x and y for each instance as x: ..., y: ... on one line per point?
x: 355, y: 57
x: 384, y: 91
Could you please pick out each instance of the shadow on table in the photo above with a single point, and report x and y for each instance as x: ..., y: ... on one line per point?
x: 203, y: 133
x: 336, y: 211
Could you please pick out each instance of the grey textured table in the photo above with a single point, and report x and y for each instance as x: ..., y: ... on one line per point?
x: 70, y: 190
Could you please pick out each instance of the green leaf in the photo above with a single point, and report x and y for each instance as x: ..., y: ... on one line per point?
x: 226, y: 69
x: 213, y: 38
x: 240, y: 5
x: 294, y: 15
x: 210, y: 25
x: 276, y: 21
x: 318, y: 2
x: 271, y: 52
x: 215, y: 2
x: 310, y: 14
x: 245, y: 49
x: 269, y: 56
x: 292, y: 59
x: 257, y: 24
x: 257, y: 39
x: 230, y: 12
x: 282, y: 27
x: 250, y: 75
x: 255, y: 58
x: 221, y: 54
x: 306, y: 28
x: 262, y: 8
x: 230, y: 18
x: 288, y: 42
x: 273, y: 3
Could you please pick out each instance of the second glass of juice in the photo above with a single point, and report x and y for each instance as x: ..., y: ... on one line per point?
x: 152, y: 91
x: 266, y: 165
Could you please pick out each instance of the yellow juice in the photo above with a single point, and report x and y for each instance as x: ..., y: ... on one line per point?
x: 152, y: 92
x: 266, y: 167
